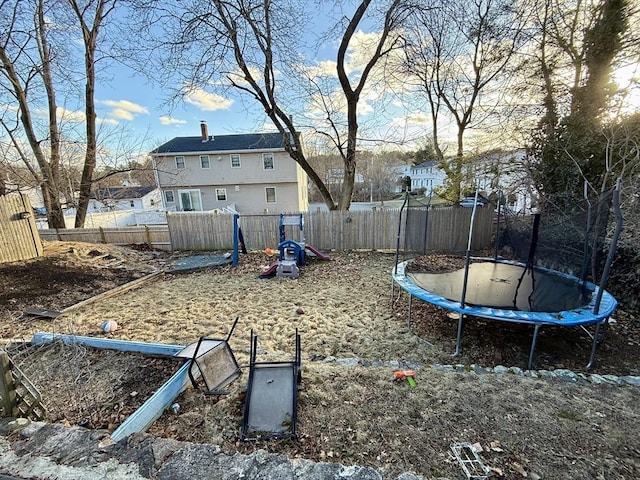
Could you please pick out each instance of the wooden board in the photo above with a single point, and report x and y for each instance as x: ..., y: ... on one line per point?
x: 41, y: 312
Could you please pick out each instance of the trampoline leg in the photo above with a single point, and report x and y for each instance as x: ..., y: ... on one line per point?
x: 534, y: 343
x: 459, y: 336
x: 393, y: 292
x: 594, y: 345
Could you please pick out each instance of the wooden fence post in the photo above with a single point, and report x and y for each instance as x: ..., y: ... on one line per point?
x: 7, y: 387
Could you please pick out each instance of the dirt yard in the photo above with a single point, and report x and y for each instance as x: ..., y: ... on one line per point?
x: 349, y: 414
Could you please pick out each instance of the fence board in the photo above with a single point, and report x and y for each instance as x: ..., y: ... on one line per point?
x: 156, y: 236
x: 19, y: 239
x: 200, y: 230
x: 447, y: 231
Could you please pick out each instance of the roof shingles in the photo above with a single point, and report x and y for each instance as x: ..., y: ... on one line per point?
x: 220, y: 143
x: 121, y: 193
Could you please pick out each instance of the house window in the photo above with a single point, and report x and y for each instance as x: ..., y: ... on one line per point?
x: 221, y: 194
x: 271, y: 194
x: 204, y: 161
x: 235, y: 161
x: 180, y: 163
x: 267, y: 161
x: 168, y: 196
x: 190, y: 200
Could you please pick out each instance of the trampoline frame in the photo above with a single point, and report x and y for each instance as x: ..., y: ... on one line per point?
x: 597, y: 311
x: 584, y: 315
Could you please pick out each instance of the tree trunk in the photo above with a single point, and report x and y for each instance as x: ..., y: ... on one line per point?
x: 49, y: 172
x: 90, y: 36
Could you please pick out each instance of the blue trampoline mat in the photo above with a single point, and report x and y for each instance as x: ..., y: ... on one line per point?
x: 494, y: 291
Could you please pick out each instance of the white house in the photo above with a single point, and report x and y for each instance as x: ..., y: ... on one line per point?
x: 505, y: 171
x: 252, y: 173
x: 425, y: 175
x: 124, y: 198
x: 490, y: 171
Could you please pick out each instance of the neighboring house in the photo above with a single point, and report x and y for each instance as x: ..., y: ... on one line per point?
x: 124, y: 198
x: 491, y: 171
x: 250, y: 173
x: 425, y: 175
x: 500, y: 170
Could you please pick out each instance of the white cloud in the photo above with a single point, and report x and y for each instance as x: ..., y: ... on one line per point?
x: 108, y: 121
x: 206, y: 101
x: 123, y: 109
x: 361, y: 48
x: 7, y: 107
x: 324, y: 68
x: 237, y: 76
x: 416, y: 119
x: 73, y: 116
x: 165, y: 120
x: 65, y: 115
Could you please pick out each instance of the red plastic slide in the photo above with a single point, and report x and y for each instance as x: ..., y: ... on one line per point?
x: 317, y: 253
x: 269, y: 271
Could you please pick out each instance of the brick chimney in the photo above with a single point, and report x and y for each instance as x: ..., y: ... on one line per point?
x: 203, y: 130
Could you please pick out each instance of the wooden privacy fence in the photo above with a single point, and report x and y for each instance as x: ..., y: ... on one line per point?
x: 447, y: 230
x: 154, y: 236
x: 200, y: 230
x: 19, y: 239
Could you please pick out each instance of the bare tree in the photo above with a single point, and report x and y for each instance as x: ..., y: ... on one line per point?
x: 253, y: 45
x: 576, y: 47
x: 459, y: 52
x: 91, y: 17
x: 38, y: 65
x: 27, y: 59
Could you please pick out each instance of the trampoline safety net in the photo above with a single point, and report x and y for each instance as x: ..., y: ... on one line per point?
x: 572, y: 242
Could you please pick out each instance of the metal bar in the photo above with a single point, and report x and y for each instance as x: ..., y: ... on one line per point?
x: 594, y: 345
x: 612, y: 247
x: 152, y: 409
x: 459, y: 335
x: 468, y: 253
x: 406, y: 199
x: 41, y: 338
x: 534, y: 343
x: 236, y: 256
x: 495, y: 253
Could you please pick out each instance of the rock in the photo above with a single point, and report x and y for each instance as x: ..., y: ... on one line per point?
x: 347, y: 362
x: 565, y: 374
x: 8, y: 425
x: 409, y: 476
x: 300, y: 311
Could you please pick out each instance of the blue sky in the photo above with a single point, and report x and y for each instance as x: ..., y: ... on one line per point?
x: 130, y: 100
x: 143, y: 108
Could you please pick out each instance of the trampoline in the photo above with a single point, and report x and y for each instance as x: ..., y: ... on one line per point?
x: 522, y: 290
x: 510, y: 292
